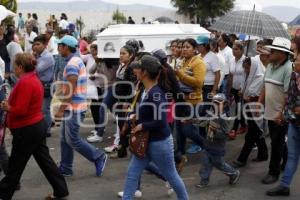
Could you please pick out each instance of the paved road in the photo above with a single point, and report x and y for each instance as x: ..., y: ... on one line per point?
x: 85, y: 186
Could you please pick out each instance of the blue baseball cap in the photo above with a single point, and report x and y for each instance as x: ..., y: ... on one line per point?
x: 202, y: 40
x: 68, y: 41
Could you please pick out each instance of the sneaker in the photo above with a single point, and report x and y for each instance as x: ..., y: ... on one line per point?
x: 100, y: 165
x: 233, y: 179
x: 238, y: 164
x: 137, y: 194
x: 170, y: 190
x: 202, y: 184
x: 111, y: 148
x: 279, y: 191
x: 94, y: 138
x: 64, y: 173
x: 94, y: 132
x: 194, y: 149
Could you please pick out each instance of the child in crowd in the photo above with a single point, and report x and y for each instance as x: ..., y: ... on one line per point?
x: 214, y: 143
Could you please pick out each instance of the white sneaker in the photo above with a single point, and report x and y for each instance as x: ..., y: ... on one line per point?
x: 137, y: 194
x: 93, y: 132
x: 170, y: 189
x: 94, y: 138
x: 111, y: 148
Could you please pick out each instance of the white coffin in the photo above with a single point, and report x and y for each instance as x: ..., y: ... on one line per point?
x: 153, y: 36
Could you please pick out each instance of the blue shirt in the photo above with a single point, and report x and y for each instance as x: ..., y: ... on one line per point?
x: 21, y: 23
x: 45, y: 67
x: 152, y: 116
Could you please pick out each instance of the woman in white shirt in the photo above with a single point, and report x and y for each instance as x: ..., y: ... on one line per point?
x: 235, y: 80
x: 213, y: 71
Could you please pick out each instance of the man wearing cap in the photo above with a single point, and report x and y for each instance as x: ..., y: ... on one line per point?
x: 72, y: 110
x: 273, y: 96
x: 29, y: 37
x: 212, y: 65
x: 45, y: 72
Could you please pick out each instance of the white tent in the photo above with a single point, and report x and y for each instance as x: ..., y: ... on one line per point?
x: 153, y: 36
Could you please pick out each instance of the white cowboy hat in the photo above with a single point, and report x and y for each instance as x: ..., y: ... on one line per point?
x: 281, y: 44
x: 5, y: 13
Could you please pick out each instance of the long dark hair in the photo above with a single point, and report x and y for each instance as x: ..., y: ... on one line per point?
x: 131, y: 51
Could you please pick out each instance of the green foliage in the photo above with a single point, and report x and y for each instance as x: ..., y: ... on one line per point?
x: 119, y: 17
x: 203, y: 9
x: 11, y: 5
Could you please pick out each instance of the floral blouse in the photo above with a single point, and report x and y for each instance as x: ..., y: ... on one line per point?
x: 293, y: 99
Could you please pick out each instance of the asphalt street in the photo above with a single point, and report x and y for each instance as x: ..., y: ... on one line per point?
x: 84, y: 185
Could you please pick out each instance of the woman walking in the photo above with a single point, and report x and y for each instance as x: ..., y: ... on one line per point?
x: 160, y: 148
x: 26, y: 123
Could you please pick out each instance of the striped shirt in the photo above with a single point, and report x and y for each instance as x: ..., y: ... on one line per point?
x: 276, y: 82
x: 76, y: 67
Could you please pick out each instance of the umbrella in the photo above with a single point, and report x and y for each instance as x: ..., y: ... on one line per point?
x: 251, y: 23
x: 5, y: 13
x: 164, y: 20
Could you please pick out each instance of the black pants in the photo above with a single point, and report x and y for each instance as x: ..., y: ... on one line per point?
x: 238, y: 121
x: 95, y: 107
x: 3, y: 158
x: 253, y: 136
x: 27, y: 141
x: 278, y: 147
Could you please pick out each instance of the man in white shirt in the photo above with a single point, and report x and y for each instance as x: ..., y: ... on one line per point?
x: 63, y: 24
x: 226, y: 52
x: 51, y: 46
x: 29, y: 37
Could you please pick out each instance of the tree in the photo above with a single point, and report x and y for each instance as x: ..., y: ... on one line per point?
x: 203, y: 9
x: 10, y: 5
x: 119, y: 17
x: 80, y: 25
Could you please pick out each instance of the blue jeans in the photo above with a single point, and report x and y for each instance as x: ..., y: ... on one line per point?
x: 184, y: 131
x: 47, y: 113
x: 162, y: 154
x: 71, y: 140
x: 209, y: 161
x: 108, y: 101
x: 293, y: 155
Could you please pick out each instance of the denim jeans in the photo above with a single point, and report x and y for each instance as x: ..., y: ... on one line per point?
x: 161, y: 153
x: 293, y: 155
x: 108, y: 101
x: 184, y: 131
x: 71, y: 140
x: 209, y: 161
x: 47, y: 113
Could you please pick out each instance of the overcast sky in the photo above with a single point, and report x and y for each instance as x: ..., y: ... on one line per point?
x: 166, y: 3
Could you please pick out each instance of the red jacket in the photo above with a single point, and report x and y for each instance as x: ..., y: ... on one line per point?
x: 25, y: 102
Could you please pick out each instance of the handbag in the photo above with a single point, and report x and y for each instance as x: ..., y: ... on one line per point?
x: 125, y: 130
x: 138, y: 142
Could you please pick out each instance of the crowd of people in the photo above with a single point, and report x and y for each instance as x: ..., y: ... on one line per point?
x: 207, y: 90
